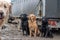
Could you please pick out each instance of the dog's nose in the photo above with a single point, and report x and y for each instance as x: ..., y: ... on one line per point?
x: 1, y: 15
x: 1, y: 12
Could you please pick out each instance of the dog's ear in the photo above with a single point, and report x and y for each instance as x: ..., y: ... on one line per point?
x: 28, y: 17
x: 34, y: 18
x: 10, y: 7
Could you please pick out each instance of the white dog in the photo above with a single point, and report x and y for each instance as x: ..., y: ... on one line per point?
x: 5, y: 9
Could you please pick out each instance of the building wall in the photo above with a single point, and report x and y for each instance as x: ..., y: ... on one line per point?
x: 23, y: 6
x: 51, y: 8
x: 58, y: 3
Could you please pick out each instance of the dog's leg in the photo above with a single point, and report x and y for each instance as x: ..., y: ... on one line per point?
x: 35, y: 33
x: 30, y: 33
x: 26, y: 32
x: 23, y: 31
x: 18, y: 26
x: 38, y: 32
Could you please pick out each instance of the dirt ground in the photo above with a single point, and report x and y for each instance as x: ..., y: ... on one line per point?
x: 11, y: 33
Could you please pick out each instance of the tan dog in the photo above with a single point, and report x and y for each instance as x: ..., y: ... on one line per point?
x: 33, y: 25
x: 5, y: 9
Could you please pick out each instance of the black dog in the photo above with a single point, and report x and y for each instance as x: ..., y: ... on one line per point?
x: 45, y: 29
x: 24, y: 23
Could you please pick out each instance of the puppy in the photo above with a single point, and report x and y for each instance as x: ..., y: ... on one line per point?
x: 33, y: 27
x: 5, y: 9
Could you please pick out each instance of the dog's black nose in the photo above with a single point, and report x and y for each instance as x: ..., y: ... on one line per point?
x: 1, y: 15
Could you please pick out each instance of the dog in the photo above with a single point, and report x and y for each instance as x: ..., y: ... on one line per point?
x: 33, y: 27
x: 5, y: 10
x: 44, y: 26
x: 45, y: 29
x: 24, y: 24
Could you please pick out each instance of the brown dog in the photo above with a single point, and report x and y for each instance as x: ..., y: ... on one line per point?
x: 5, y: 9
x: 33, y: 28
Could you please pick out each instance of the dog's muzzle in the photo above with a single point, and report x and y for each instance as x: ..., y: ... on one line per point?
x: 1, y: 15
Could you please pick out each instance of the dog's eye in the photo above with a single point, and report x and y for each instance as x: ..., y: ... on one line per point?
x: 5, y: 6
